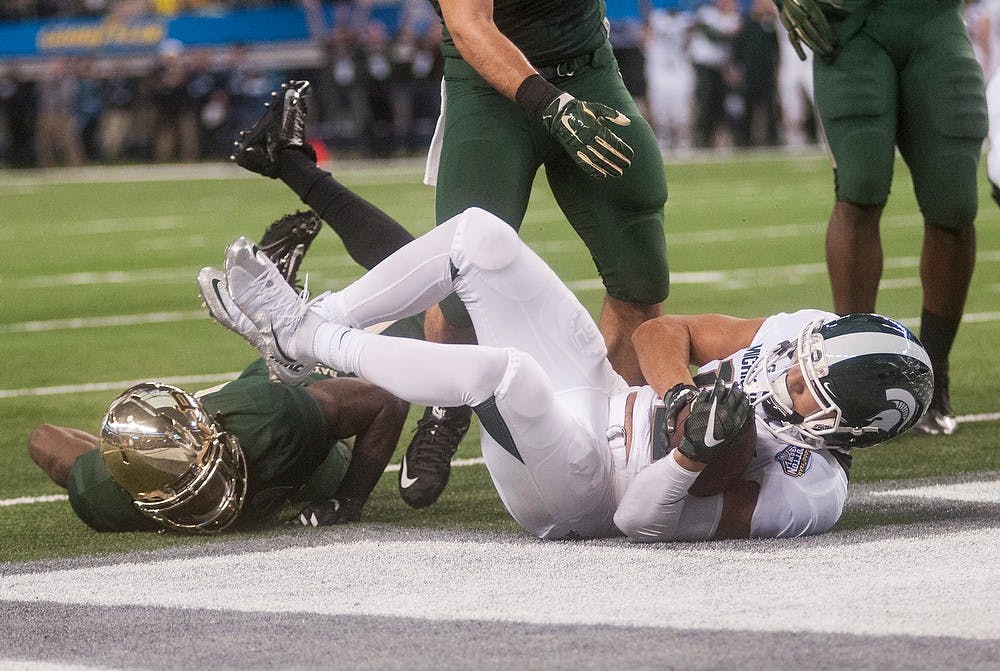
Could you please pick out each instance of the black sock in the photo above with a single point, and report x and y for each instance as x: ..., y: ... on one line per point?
x: 368, y: 233
x: 938, y: 334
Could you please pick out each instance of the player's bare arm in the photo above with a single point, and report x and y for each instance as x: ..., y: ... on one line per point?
x: 56, y: 448
x: 354, y: 407
x: 739, y: 499
x: 484, y: 47
x: 668, y: 345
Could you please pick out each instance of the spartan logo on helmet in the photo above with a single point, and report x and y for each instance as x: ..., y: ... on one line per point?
x: 869, y: 374
x: 904, y: 407
x: 160, y: 445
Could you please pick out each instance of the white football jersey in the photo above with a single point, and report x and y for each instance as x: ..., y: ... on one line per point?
x: 802, y: 491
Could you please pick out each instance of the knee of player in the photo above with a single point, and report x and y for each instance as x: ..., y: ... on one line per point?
x: 865, y: 161
x: 956, y: 217
x: 486, y: 240
x: 525, y: 388
x: 863, y: 188
x: 950, y: 200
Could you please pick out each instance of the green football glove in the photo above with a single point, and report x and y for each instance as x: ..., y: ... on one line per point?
x: 717, y: 416
x: 805, y: 22
x: 580, y: 127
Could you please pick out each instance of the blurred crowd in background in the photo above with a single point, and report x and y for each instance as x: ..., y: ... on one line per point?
x: 718, y: 74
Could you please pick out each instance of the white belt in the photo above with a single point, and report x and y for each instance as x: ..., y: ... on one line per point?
x: 620, y: 426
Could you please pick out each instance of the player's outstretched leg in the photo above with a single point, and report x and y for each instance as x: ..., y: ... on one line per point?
x: 282, y: 318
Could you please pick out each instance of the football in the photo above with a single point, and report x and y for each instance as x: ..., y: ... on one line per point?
x: 727, y: 467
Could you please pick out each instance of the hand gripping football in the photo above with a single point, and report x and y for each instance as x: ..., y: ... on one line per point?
x: 732, y: 443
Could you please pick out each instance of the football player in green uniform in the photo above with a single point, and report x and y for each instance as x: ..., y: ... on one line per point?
x: 532, y: 83
x: 899, y: 74
x: 236, y: 453
x: 230, y: 456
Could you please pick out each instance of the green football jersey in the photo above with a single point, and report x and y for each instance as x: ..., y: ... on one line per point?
x: 546, y: 31
x: 284, y: 439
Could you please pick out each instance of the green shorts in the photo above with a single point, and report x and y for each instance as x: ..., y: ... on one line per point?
x: 492, y: 151
x: 906, y: 78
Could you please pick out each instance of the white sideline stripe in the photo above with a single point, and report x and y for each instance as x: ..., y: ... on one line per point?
x: 973, y: 492
x: 770, y: 587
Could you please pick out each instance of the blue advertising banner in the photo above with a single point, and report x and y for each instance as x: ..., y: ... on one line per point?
x: 144, y: 34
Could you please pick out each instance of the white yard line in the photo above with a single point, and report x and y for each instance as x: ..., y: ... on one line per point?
x: 118, y: 385
x: 102, y: 322
x: 72, y: 323
x: 987, y: 491
x: 24, y: 500
x: 734, y: 278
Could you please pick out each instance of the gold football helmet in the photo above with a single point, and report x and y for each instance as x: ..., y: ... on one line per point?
x: 181, y: 469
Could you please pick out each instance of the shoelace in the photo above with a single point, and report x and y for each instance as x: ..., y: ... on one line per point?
x: 442, y: 435
x: 272, y: 296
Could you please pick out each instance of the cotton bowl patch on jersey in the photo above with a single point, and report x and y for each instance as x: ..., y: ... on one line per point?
x: 794, y: 460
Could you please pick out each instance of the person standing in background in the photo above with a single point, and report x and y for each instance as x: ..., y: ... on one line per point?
x: 900, y: 74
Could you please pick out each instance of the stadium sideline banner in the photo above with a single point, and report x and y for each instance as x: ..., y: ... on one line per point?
x: 36, y: 39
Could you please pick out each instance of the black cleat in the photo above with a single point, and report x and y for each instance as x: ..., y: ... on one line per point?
x: 427, y: 462
x: 287, y: 240
x: 282, y: 125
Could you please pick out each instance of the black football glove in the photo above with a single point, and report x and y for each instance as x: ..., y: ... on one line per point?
x: 287, y: 240
x: 805, y: 22
x: 327, y: 513
x: 676, y: 398
x: 581, y: 128
x: 717, y: 416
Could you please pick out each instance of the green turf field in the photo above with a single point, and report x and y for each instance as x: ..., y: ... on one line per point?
x: 97, y: 288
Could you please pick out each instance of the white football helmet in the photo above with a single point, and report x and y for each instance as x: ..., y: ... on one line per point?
x: 869, y: 374
x: 180, y: 468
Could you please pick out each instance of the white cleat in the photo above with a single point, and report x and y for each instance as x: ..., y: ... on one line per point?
x: 936, y: 423
x: 260, y: 292
x: 214, y: 289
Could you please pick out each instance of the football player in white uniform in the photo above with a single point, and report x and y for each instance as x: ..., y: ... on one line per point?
x: 572, y: 450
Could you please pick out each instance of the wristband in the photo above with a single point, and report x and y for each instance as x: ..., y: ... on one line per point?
x: 534, y: 94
